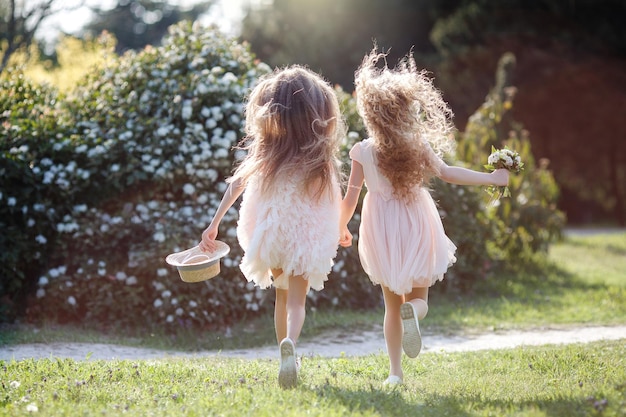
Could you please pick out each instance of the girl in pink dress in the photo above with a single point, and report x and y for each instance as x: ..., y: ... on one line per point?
x: 402, y: 244
x: 289, y: 216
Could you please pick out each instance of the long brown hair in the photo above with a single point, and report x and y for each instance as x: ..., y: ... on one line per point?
x: 293, y: 127
x: 406, y: 118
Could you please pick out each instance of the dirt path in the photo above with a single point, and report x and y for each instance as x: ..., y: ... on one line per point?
x: 329, y: 345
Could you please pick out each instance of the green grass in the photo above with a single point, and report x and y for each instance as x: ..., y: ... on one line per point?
x: 573, y: 380
x: 582, y: 281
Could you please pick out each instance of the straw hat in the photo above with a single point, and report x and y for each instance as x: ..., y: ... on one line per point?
x: 194, y: 265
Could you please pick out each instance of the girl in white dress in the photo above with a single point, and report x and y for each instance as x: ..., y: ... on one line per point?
x: 402, y: 244
x: 289, y: 216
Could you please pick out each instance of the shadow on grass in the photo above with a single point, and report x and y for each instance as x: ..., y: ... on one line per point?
x: 469, y: 405
x: 393, y: 402
x: 389, y: 402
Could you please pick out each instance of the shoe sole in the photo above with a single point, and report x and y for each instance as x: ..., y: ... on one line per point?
x: 288, y: 373
x: 411, y: 337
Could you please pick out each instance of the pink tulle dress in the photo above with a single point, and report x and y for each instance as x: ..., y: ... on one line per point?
x: 289, y: 230
x: 401, y: 245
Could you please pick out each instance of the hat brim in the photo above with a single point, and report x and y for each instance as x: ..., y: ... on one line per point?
x: 194, y: 265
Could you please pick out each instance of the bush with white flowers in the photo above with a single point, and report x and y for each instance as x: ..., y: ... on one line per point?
x: 138, y: 162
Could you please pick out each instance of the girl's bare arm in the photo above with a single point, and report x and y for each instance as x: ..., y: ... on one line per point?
x: 350, y: 201
x: 231, y: 195
x: 464, y: 176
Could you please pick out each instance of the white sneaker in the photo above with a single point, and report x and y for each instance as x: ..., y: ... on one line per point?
x: 288, y: 373
x: 411, y: 337
x: 392, y: 380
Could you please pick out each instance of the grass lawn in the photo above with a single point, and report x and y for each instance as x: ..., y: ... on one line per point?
x: 582, y: 282
x: 568, y: 381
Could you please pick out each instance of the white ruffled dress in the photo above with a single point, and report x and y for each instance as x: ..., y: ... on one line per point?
x: 288, y: 230
x: 401, y: 245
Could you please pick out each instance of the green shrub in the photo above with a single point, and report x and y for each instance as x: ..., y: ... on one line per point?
x: 528, y: 221
x: 154, y: 130
x: 30, y: 202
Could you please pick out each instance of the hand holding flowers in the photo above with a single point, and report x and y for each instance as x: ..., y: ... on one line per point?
x: 502, y: 159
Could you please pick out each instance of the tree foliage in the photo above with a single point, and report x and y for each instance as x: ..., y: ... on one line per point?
x: 137, y: 23
x: 19, y: 22
x: 572, y: 61
x: 332, y: 36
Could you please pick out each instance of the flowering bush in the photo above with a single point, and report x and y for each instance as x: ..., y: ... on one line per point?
x: 145, y: 150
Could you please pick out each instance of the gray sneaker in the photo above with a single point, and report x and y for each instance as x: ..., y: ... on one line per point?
x: 411, y: 337
x: 288, y: 373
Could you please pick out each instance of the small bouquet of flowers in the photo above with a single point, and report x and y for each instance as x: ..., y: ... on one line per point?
x: 502, y: 158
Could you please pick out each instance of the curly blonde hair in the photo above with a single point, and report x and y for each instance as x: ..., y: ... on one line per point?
x: 406, y: 116
x: 293, y: 128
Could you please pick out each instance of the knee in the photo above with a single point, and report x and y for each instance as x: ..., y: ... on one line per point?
x: 421, y: 306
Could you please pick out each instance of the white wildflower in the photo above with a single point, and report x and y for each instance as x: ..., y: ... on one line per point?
x: 203, y: 199
x: 187, y: 110
x: 210, y: 123
x: 189, y: 189
x: 157, y: 303
x: 71, y: 300
x: 80, y: 208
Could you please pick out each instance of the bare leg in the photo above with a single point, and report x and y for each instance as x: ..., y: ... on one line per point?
x: 296, y: 303
x: 419, y: 298
x: 296, y: 311
x: 280, y: 310
x: 393, y: 331
x: 280, y: 314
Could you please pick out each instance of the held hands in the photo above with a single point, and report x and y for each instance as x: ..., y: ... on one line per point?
x: 208, y: 239
x: 345, y: 238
